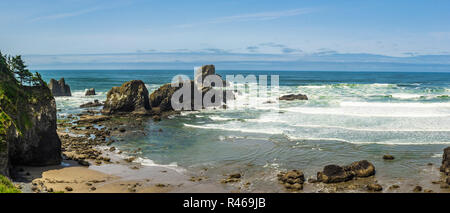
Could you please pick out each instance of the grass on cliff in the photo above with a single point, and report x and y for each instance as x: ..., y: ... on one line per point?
x: 6, y: 186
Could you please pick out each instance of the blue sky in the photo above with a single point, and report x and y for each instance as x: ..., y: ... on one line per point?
x: 80, y: 33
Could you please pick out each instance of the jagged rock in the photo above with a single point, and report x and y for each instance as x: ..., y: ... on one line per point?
x: 59, y: 88
x: 361, y: 168
x: 202, y: 72
x: 162, y: 96
x: 96, y: 103
x: 89, y: 92
x: 445, y: 167
x: 336, y: 174
x: 292, y: 179
x: 131, y: 97
x: 292, y: 97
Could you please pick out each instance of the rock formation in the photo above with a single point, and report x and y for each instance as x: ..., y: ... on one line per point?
x: 96, y: 103
x: 131, y: 97
x: 28, y: 126
x: 336, y: 174
x: 59, y: 88
x: 39, y: 143
x: 89, y: 92
x: 202, y: 72
x: 292, y: 97
x: 292, y: 180
x: 160, y: 100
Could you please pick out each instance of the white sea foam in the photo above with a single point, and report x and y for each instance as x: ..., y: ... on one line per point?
x: 365, y: 109
x: 371, y: 130
x: 226, y: 128
x: 405, y: 96
x: 218, y: 118
x: 294, y: 138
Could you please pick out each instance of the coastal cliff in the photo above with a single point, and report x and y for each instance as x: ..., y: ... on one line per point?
x: 28, y: 123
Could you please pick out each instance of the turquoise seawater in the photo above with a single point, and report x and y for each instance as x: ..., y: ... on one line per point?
x: 349, y: 116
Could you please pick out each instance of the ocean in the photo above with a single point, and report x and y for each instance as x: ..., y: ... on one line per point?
x: 349, y: 116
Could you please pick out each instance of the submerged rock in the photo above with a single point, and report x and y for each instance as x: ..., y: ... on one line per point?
x: 232, y: 178
x: 59, y: 88
x: 336, y: 174
x: 292, y: 97
x: 388, y: 157
x: 89, y: 92
x: 131, y: 97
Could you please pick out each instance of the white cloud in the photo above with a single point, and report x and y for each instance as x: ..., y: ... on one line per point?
x: 67, y: 14
x: 262, y: 16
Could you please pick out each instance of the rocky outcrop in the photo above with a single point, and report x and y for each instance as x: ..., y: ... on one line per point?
x: 292, y: 97
x: 89, y: 92
x: 96, y: 103
x: 37, y: 144
x: 336, y: 174
x: 160, y: 100
x: 202, y: 72
x: 59, y: 88
x: 161, y: 97
x: 27, y: 123
x: 131, y: 97
x: 292, y: 180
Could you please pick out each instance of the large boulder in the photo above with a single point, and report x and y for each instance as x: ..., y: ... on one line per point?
x: 361, y: 168
x: 59, y: 88
x: 292, y: 97
x: 336, y: 174
x: 445, y: 167
x: 131, y: 97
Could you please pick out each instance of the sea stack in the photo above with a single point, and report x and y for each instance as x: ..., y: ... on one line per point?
x: 202, y: 72
x: 131, y: 97
x: 89, y: 92
x: 59, y: 88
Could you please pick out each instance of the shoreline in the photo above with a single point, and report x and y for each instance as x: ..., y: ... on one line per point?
x: 89, y: 154
x: 112, y: 171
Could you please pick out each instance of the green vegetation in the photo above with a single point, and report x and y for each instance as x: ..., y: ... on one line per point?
x: 14, y: 93
x: 6, y: 186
